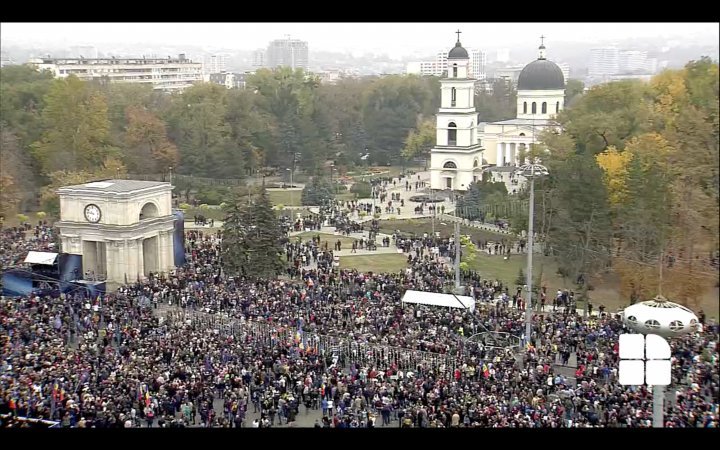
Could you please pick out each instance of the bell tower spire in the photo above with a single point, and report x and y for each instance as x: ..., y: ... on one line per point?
x: 541, y: 49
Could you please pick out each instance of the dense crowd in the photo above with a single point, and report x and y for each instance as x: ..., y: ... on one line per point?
x: 151, y: 353
x: 16, y: 242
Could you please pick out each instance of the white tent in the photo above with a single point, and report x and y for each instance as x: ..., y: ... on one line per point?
x: 442, y: 300
x: 45, y: 258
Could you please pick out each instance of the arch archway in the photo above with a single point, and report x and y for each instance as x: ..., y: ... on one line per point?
x: 452, y: 134
x: 449, y: 165
x: 149, y: 210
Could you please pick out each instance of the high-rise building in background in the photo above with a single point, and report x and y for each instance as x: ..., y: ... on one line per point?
x: 259, y: 58
x: 215, y: 63
x: 604, y: 61
x: 438, y: 67
x: 166, y: 74
x: 288, y: 53
x: 632, y: 61
x: 478, y: 61
x: 565, y: 67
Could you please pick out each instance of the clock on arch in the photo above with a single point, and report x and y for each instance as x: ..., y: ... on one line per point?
x: 93, y: 213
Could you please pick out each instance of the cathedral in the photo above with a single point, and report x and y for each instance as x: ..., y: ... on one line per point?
x: 465, y: 147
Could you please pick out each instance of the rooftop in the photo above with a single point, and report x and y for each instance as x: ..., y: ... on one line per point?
x: 115, y: 186
x: 542, y: 122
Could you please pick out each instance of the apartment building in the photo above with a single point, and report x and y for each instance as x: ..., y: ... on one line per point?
x: 166, y: 74
x: 288, y: 52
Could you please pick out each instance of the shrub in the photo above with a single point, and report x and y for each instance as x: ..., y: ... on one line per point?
x: 22, y: 218
x: 41, y: 215
x: 363, y: 189
x: 204, y: 206
x: 185, y: 206
x: 212, y: 195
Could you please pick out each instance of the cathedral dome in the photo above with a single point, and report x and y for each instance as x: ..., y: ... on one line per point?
x: 541, y: 74
x: 458, y: 52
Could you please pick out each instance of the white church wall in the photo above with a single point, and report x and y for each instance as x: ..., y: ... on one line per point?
x: 553, y: 99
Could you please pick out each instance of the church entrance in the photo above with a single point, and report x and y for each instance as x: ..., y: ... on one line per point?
x: 94, y: 260
x: 150, y: 255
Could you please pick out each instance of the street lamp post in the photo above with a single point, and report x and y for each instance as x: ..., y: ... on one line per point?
x: 530, y: 171
x: 292, y: 193
x: 457, y: 253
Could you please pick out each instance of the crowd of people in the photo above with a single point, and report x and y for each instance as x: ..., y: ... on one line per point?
x: 152, y: 354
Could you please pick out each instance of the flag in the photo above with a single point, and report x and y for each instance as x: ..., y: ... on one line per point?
x: 55, y: 391
x: 147, y: 399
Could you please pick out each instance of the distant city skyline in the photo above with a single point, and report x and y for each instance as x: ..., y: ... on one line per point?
x: 394, y: 39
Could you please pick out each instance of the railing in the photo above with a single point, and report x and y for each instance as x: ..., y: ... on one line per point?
x: 346, y: 351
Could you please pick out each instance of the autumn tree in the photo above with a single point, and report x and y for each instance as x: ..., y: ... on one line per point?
x: 419, y: 141
x: 76, y: 128
x: 148, y: 149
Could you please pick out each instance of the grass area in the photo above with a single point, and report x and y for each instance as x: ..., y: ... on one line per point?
x: 209, y: 213
x: 13, y: 221
x: 507, y: 270
x: 420, y: 226
x: 345, y: 196
x: 286, y: 197
x: 331, y: 239
x: 389, y: 262
x: 390, y: 171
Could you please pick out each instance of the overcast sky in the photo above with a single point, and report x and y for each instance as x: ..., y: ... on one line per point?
x: 393, y: 38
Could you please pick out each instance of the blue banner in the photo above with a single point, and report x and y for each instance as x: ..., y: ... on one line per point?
x: 179, y: 238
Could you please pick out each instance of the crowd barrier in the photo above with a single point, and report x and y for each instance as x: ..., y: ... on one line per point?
x: 337, y: 348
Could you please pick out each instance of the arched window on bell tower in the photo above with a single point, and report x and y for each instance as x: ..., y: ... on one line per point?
x: 557, y: 107
x: 453, y: 97
x: 454, y: 70
x: 524, y: 107
x: 534, y: 108
x: 452, y: 134
x: 544, y: 107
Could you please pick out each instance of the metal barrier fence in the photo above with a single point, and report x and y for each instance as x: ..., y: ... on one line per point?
x: 346, y: 352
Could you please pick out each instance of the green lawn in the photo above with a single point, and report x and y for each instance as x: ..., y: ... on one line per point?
x: 388, y: 262
x: 420, y: 226
x: 286, y: 197
x: 210, y: 213
x: 507, y: 270
x: 331, y: 239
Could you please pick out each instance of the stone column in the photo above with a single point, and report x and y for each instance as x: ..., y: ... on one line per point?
x: 513, y: 153
x: 115, y: 261
x: 508, y: 156
x: 499, y: 152
x: 140, y: 259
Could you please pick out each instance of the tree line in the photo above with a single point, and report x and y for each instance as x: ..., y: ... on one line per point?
x: 64, y: 131
x: 633, y: 185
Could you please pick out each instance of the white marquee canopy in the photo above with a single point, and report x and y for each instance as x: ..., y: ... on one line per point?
x: 45, y: 258
x: 441, y: 300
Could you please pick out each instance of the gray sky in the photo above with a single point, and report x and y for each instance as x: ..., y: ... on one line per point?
x: 394, y: 39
